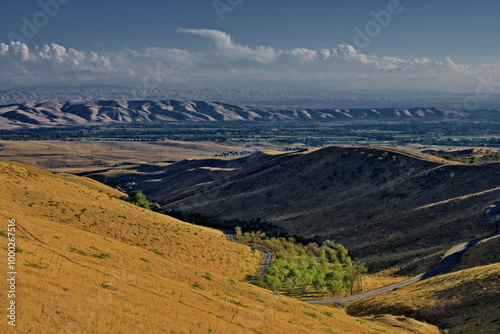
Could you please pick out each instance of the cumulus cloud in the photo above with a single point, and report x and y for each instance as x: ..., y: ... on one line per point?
x: 456, y: 67
x: 229, y: 48
x: 304, y: 54
x: 19, y: 63
x: 350, y: 55
x: 53, y: 55
x: 228, y: 64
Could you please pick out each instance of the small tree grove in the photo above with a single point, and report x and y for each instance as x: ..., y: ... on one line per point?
x: 325, y: 267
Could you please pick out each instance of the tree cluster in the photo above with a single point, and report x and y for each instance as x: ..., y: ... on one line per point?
x: 300, y: 267
x: 139, y: 199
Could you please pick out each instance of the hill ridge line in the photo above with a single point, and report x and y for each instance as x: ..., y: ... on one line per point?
x: 92, y: 112
x: 459, y: 198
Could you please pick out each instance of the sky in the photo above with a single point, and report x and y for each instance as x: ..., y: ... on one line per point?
x: 446, y: 45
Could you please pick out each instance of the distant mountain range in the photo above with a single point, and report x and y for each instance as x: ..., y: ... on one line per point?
x: 76, y: 112
x: 315, y: 99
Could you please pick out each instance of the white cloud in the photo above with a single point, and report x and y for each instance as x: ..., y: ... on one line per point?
x: 304, y: 54
x: 228, y: 48
x: 47, y: 63
x: 228, y: 64
x: 4, y: 49
x: 456, y: 67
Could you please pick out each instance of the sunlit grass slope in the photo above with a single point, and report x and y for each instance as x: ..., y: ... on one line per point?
x: 464, y: 301
x: 88, y: 262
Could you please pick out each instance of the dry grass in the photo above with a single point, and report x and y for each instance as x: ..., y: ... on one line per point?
x: 402, y: 204
x: 81, y: 156
x: 466, y: 301
x: 91, y: 263
x: 485, y: 252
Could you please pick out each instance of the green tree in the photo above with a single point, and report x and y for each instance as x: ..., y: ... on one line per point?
x: 319, y: 282
x: 342, y: 253
x: 334, y: 279
x: 352, y: 272
x: 349, y: 277
x: 273, y: 282
x: 139, y: 199
x: 155, y: 207
x: 334, y: 286
x: 289, y: 284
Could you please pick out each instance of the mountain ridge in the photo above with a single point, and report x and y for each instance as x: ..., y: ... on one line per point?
x: 280, y: 99
x: 87, y: 112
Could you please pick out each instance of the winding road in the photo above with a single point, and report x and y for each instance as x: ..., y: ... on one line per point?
x: 448, y: 263
x: 266, y: 261
x: 451, y: 259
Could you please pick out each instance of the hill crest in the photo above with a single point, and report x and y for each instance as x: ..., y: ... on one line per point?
x: 401, y: 203
x: 77, y: 112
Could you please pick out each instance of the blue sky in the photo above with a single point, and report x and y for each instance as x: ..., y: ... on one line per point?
x: 251, y: 44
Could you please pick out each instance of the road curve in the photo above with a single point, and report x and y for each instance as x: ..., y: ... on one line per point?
x: 266, y: 261
x: 449, y: 262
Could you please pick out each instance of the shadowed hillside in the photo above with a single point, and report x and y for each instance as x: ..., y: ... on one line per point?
x: 89, y: 262
x: 386, y: 205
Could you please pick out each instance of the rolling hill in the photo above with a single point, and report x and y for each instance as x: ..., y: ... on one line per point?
x: 88, y: 262
x: 464, y: 301
x: 387, y: 206
x: 76, y: 112
x: 79, y: 156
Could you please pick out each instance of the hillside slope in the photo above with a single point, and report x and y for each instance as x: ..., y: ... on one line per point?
x: 79, y: 156
x: 88, y: 262
x: 76, y: 112
x: 386, y: 205
x: 464, y: 301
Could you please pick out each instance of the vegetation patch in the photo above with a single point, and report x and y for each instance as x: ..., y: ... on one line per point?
x: 97, y: 253
x: 196, y: 285
x: 207, y: 276
x: 300, y: 269
x: 38, y: 265
x: 107, y: 286
x: 238, y: 303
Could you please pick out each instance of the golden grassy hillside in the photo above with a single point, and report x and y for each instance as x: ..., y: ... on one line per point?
x: 81, y: 156
x: 464, y: 301
x: 88, y: 262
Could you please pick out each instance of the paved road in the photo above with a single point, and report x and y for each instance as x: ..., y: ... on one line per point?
x: 266, y: 261
x: 448, y: 263
x: 451, y: 259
